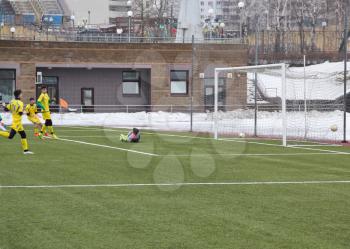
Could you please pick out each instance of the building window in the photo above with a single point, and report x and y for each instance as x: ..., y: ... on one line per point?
x: 131, y: 83
x: 52, y: 83
x: 7, y: 84
x: 87, y: 96
x: 179, y: 82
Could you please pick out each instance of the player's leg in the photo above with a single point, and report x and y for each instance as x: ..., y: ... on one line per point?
x: 37, y: 126
x: 49, y: 126
x: 37, y: 130
x: 46, y: 117
x: 43, y: 129
x: 4, y: 134
x: 24, y: 142
x: 12, y: 134
x: 33, y: 121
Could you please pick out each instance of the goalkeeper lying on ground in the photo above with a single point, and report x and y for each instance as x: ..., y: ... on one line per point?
x: 133, y: 136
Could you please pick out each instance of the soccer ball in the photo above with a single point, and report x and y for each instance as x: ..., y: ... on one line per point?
x: 241, y: 135
x: 334, y: 128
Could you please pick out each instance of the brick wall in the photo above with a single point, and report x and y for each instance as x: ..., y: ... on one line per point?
x: 160, y: 58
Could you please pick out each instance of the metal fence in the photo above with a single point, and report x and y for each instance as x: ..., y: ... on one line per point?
x: 112, y: 38
x: 290, y: 46
x: 292, y: 106
x: 321, y: 122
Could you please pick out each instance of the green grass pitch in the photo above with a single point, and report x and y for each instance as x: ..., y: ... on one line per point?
x: 88, y: 190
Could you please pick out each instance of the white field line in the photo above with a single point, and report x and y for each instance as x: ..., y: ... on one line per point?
x: 201, y: 155
x: 254, y: 155
x: 233, y: 139
x: 222, y: 139
x: 85, y: 136
x: 200, y: 184
x: 108, y: 147
x: 316, y: 145
x: 58, y: 130
x: 181, y: 136
x: 241, y: 140
x: 321, y: 150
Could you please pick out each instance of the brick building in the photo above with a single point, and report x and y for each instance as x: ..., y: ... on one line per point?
x: 121, y: 74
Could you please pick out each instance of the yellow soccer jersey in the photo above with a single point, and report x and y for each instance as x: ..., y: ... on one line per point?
x: 31, y: 110
x: 44, y: 100
x: 16, y: 109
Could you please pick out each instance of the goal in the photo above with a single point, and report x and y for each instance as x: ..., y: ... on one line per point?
x: 249, y: 109
x: 276, y: 102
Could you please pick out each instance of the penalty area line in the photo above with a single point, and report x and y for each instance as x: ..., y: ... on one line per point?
x: 200, y: 184
x: 108, y: 147
x: 223, y: 139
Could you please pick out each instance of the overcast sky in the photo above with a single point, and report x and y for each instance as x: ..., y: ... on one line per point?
x: 98, y: 8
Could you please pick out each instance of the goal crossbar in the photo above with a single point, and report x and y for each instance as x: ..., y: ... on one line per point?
x: 281, y: 66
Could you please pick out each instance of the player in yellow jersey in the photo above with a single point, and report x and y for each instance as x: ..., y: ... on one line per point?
x: 32, y: 111
x: 44, y: 104
x: 16, y: 108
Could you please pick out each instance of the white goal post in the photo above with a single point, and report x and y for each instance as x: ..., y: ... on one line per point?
x: 251, y: 69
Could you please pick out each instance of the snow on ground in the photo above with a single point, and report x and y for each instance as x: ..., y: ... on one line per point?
x: 323, y: 82
x: 231, y: 123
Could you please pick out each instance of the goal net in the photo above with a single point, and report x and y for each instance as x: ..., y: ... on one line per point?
x: 277, y: 102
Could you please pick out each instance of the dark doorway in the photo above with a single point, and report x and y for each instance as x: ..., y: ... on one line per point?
x: 52, y: 84
x: 209, y: 99
x: 87, y: 99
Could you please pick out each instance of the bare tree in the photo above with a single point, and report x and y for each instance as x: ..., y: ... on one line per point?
x: 315, y: 10
x: 279, y: 21
x: 299, y: 13
x: 151, y: 14
x: 339, y: 12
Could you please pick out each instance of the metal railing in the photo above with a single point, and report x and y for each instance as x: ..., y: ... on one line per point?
x: 297, y: 106
x: 112, y: 38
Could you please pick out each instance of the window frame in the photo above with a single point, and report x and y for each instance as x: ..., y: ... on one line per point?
x: 92, y: 97
x: 12, y: 70
x: 131, y: 81
x: 57, y: 85
x: 187, y: 83
x: 14, y: 79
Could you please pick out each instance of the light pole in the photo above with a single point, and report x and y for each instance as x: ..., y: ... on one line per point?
x: 324, y: 25
x: 184, y: 29
x: 241, y: 7
x: 130, y: 14
x: 267, y: 13
x: 120, y: 32
x: 222, y: 26
x: 165, y: 15
x: 257, y: 28
x: 13, y: 31
x: 2, y: 24
x: 346, y: 39
x: 171, y: 21
x: 72, y: 18
x: 89, y: 17
x: 48, y: 21
x: 210, y: 14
